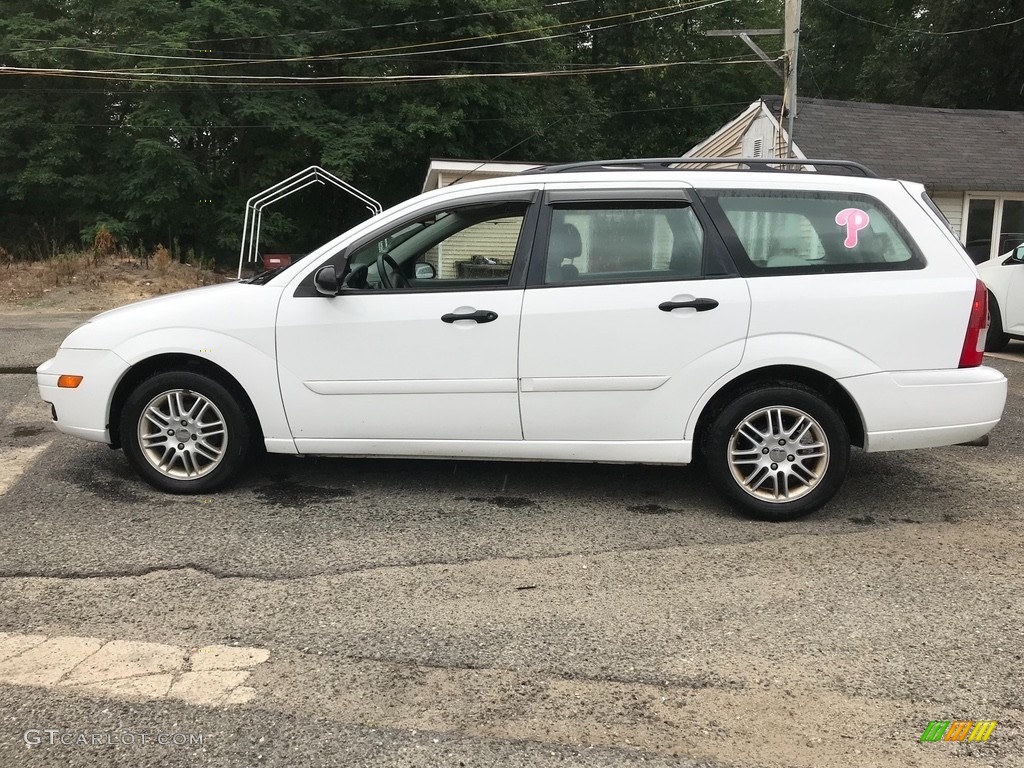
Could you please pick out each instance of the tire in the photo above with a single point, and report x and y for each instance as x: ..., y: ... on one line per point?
x: 756, y: 422
x: 211, y: 441
x: 996, y: 340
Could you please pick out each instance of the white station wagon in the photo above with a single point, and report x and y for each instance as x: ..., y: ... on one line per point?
x: 763, y: 321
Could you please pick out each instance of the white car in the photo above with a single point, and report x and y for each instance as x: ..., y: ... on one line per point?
x: 623, y: 311
x: 1004, y: 277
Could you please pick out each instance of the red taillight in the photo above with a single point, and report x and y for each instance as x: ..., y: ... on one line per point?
x: 977, y: 329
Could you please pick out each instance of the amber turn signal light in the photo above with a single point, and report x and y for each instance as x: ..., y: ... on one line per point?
x: 69, y: 382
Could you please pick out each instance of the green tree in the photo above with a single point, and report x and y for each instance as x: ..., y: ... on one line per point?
x: 966, y: 54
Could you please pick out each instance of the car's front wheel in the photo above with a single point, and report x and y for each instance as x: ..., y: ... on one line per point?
x: 778, y: 452
x: 184, y: 432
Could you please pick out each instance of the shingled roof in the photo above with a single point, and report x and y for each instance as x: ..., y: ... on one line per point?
x: 950, y: 149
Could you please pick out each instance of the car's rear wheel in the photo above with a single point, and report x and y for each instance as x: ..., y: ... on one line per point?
x: 778, y: 452
x: 184, y: 432
x: 996, y: 340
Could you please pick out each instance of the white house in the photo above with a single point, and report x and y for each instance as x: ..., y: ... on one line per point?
x: 442, y: 173
x: 482, y: 250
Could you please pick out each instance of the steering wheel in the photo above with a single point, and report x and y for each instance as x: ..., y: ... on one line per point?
x: 400, y: 281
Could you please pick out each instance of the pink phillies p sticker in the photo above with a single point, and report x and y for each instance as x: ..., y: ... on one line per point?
x: 854, y: 219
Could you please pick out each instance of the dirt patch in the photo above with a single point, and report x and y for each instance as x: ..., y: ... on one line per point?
x: 506, y: 502
x: 651, y: 509
x: 80, y: 282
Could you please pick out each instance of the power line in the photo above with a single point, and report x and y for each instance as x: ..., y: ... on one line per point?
x: 340, y: 30
x: 298, y: 125
x: 257, y: 80
x: 702, y: 4
x: 588, y: 30
x: 927, y: 32
x: 395, y: 49
x: 456, y: 17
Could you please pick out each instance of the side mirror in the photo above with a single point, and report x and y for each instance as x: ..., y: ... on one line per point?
x: 425, y: 271
x: 326, y: 281
x: 1018, y: 253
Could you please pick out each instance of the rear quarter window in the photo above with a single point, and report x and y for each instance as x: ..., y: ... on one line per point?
x: 797, y: 232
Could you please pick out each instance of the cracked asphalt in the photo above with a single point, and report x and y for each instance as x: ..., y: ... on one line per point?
x: 438, y: 613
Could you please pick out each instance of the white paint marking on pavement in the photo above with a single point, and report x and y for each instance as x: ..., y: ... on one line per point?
x: 212, y: 675
x: 15, y: 461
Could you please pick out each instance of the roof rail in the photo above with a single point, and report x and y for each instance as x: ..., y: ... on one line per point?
x: 672, y: 163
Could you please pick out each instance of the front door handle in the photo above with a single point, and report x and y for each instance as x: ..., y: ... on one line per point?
x: 701, y: 305
x: 480, y: 316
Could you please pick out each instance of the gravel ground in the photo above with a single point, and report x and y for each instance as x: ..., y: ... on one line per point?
x: 475, y: 614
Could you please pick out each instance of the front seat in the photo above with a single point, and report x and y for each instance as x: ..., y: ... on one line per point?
x: 565, y: 245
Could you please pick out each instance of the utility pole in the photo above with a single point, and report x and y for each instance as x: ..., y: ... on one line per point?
x: 787, y: 73
x: 792, y: 33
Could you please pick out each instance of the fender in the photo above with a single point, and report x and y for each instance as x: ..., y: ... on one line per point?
x: 254, y: 366
x: 815, y: 353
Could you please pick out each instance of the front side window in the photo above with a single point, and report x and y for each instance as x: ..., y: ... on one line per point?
x: 604, y: 243
x: 814, y: 231
x: 461, y: 247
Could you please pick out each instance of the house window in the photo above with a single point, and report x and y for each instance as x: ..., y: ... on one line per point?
x: 995, y: 225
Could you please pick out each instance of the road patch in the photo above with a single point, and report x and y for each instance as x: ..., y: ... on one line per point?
x: 211, y: 675
x: 15, y: 462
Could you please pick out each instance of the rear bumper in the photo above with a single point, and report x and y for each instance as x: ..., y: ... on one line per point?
x: 927, y: 409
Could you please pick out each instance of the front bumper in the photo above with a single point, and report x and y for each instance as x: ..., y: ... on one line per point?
x: 85, y: 410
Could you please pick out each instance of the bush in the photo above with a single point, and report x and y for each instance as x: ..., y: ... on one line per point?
x: 120, y: 231
x: 104, y: 243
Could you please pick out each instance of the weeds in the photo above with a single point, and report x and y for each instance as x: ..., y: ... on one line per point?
x: 161, y: 260
x: 104, y: 243
x: 104, y: 274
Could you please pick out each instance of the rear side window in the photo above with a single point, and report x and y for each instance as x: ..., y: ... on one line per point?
x: 632, y: 242
x: 812, y: 232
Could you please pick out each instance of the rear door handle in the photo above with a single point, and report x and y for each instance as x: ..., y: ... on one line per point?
x: 480, y: 316
x: 701, y: 305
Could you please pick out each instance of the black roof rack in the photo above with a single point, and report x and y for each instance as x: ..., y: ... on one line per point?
x: 672, y: 163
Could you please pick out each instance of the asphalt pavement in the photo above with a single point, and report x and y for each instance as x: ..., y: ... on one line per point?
x: 440, y: 613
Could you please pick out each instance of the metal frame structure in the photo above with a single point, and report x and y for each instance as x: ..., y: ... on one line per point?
x: 249, y: 251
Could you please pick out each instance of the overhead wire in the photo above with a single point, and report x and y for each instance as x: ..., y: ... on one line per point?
x: 256, y: 80
x: 363, y: 56
x: 918, y: 31
x: 471, y: 120
x: 588, y: 30
x: 672, y: 8
x: 339, y: 30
